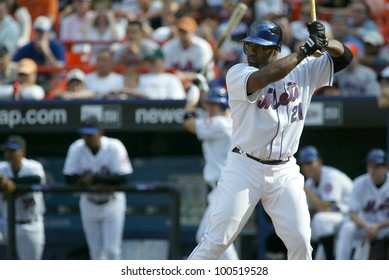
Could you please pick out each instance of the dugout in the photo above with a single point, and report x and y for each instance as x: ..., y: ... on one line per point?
x: 343, y: 129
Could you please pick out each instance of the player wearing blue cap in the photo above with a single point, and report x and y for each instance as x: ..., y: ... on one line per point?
x: 328, y: 190
x: 369, y: 212
x: 269, y: 99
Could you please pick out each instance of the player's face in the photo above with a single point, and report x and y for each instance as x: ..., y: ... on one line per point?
x: 92, y: 141
x: 312, y: 170
x: 377, y: 172
x: 259, y: 56
x: 13, y: 157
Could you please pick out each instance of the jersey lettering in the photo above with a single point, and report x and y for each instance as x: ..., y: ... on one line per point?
x: 270, y: 99
x: 372, y: 207
x: 297, y: 113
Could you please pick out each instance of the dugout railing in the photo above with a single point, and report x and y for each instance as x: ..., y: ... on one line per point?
x: 152, y: 212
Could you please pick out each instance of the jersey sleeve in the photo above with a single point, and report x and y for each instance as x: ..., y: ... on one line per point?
x: 71, y: 166
x: 321, y: 71
x: 209, y: 128
x: 236, y: 80
x: 120, y: 163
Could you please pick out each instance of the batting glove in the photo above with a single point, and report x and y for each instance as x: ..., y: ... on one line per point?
x: 201, y: 82
x: 312, y: 45
x: 316, y: 28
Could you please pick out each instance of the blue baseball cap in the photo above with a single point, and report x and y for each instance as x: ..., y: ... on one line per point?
x: 308, y: 154
x: 15, y: 143
x: 377, y: 156
x: 90, y: 126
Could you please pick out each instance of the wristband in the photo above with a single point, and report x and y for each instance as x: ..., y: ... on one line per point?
x: 189, y: 115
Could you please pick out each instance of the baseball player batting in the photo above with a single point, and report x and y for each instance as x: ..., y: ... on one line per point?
x: 269, y: 99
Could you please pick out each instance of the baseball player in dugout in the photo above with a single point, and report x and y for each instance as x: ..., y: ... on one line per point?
x: 29, y: 206
x: 101, y: 161
x: 328, y: 191
x: 269, y: 99
x: 214, y: 132
x: 368, y: 227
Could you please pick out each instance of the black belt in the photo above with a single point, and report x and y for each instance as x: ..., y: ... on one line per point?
x: 24, y: 222
x: 100, y: 202
x: 270, y: 162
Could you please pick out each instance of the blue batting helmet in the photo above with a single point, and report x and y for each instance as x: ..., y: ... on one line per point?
x: 265, y: 33
x: 217, y: 94
x: 308, y: 154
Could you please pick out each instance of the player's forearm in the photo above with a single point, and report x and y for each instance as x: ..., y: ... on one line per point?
x: 33, y: 179
x: 358, y: 221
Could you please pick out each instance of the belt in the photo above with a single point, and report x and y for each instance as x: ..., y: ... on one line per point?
x: 270, y: 162
x: 24, y: 222
x: 99, y: 202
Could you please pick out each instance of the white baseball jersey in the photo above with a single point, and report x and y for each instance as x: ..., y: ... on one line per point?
x: 268, y: 123
x: 28, y: 206
x: 369, y: 202
x: 215, y: 134
x: 335, y: 186
x: 161, y: 86
x: 103, y: 223
x: 193, y: 58
x: 29, y: 211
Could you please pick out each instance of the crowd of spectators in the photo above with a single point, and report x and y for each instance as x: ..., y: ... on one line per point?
x: 108, y: 39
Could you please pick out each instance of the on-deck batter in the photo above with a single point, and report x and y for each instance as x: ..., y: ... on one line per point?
x: 269, y: 100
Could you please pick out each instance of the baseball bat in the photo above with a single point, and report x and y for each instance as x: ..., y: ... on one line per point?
x: 235, y: 18
x: 312, y: 5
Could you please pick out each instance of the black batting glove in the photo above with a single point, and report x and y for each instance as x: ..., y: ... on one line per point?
x: 311, y: 45
x: 316, y: 28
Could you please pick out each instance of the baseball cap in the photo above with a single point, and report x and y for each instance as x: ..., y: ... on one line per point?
x: 156, y: 54
x: 14, y: 142
x: 377, y: 156
x: 373, y: 38
x: 89, y: 126
x: 187, y: 23
x: 75, y: 74
x: 42, y: 23
x: 27, y: 66
x: 308, y: 154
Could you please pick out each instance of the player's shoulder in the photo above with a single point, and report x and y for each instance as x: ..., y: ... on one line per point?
x: 3, y: 164
x: 111, y: 142
x: 336, y: 174
x: 361, y: 179
x: 32, y: 163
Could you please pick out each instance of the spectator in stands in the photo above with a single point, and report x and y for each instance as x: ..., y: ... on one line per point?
x: 9, y: 28
x: 158, y: 84
x: 288, y: 39
x: 104, y: 80
x: 7, y: 67
x: 374, y: 57
x: 75, y: 87
x: 361, y: 21
x: 23, y: 18
x: 43, y: 49
x: 383, y: 99
x: 16, y: 169
x: 164, y: 25
x: 357, y: 79
x: 188, y: 54
x: 102, y: 29
x: 102, y: 162
x: 38, y: 8
x: 136, y: 47
x: 71, y: 25
x: 266, y: 8
x: 299, y: 28
x: 342, y: 32
x: 24, y: 86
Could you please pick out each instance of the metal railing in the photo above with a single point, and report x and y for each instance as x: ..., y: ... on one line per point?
x: 145, y: 189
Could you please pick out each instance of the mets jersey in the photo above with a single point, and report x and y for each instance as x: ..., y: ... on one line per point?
x: 371, y: 203
x: 334, y: 186
x: 29, y: 206
x: 215, y: 134
x: 270, y: 124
